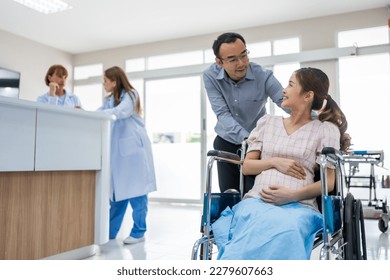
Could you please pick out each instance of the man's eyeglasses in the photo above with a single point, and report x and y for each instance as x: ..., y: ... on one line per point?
x: 234, y: 59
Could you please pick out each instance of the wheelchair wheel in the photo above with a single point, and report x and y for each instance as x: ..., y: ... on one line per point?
x: 354, y: 231
x: 361, y: 238
x: 202, y: 252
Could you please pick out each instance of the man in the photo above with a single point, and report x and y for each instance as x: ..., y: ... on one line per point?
x: 238, y: 91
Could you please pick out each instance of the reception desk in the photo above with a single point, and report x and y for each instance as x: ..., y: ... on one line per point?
x: 54, y: 180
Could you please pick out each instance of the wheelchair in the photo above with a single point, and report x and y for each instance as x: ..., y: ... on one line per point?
x: 342, y: 236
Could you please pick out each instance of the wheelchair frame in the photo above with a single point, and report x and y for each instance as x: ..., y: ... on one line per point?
x: 373, y: 159
x: 334, y: 237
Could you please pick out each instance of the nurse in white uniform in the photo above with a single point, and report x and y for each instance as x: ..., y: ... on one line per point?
x: 132, y: 168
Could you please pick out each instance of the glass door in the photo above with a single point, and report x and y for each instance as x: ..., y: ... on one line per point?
x: 173, y: 121
x: 364, y: 99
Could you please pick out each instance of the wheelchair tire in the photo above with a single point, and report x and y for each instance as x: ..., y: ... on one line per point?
x: 202, y: 249
x: 354, y: 231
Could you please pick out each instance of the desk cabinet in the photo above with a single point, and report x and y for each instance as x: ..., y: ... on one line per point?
x: 54, y: 180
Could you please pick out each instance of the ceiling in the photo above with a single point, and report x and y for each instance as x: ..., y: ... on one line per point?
x: 102, y: 24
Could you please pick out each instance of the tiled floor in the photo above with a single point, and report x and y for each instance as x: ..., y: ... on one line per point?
x: 173, y: 230
x: 378, y: 247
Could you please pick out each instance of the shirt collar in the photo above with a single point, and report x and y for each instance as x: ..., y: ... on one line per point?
x: 67, y: 93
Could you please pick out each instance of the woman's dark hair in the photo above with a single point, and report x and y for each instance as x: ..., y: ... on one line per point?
x: 229, y: 37
x: 55, y: 69
x: 313, y: 79
x: 116, y: 74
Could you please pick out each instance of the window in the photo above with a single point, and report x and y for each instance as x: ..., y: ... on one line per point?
x: 175, y: 60
x: 364, y: 37
x: 260, y: 49
x: 135, y: 65
x: 364, y: 91
x: 286, y: 46
x: 91, y: 96
x: 209, y: 56
x: 88, y: 71
x: 173, y: 108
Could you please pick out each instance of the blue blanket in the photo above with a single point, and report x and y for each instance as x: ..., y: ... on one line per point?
x: 255, y: 230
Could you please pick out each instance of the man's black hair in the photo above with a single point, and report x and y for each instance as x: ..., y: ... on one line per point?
x: 229, y: 37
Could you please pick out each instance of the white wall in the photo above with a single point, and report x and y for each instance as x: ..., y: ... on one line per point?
x: 32, y: 59
x: 316, y: 33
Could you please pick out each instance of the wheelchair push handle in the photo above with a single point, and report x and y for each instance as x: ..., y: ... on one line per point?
x: 330, y: 151
x: 222, y: 154
x: 225, y: 156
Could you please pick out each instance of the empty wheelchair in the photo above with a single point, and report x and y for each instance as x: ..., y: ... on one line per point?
x: 342, y: 235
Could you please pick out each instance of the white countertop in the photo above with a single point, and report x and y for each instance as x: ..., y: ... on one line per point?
x: 52, y: 108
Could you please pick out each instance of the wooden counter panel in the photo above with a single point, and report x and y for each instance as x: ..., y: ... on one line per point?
x: 45, y: 213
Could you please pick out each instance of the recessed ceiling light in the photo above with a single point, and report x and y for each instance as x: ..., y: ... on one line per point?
x: 45, y: 6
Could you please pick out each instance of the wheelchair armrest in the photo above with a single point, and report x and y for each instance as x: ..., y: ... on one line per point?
x: 330, y: 151
x: 223, y: 155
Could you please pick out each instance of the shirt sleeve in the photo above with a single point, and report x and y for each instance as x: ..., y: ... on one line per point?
x: 123, y: 110
x: 329, y: 135
x: 255, y: 139
x: 47, y: 99
x: 275, y: 91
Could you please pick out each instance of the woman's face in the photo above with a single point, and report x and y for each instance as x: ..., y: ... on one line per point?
x: 60, y: 80
x: 295, y: 98
x: 108, y: 84
x: 291, y: 93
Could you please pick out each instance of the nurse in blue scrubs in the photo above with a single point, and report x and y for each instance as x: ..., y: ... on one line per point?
x: 55, y: 79
x: 132, y: 168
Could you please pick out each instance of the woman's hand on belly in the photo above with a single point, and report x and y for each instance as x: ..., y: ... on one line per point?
x: 290, y: 167
x: 277, y: 195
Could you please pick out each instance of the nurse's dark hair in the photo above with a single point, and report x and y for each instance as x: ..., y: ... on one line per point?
x: 116, y: 74
x: 313, y: 79
x: 228, y: 37
x: 55, y: 69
